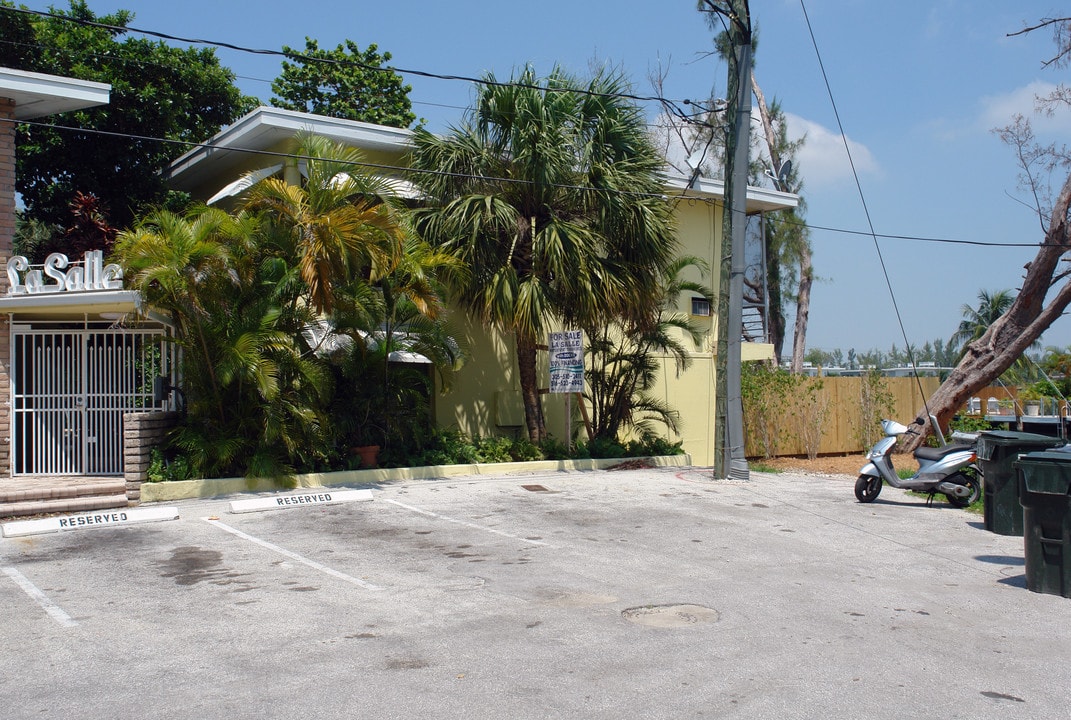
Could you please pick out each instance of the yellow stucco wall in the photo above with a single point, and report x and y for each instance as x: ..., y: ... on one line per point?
x: 484, y: 398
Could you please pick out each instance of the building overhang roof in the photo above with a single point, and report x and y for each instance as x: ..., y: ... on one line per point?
x: 102, y: 303
x: 266, y: 129
x: 38, y: 95
x: 263, y: 131
x: 758, y: 199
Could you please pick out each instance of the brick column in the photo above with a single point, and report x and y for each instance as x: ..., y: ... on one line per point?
x: 142, y: 431
x: 7, y: 235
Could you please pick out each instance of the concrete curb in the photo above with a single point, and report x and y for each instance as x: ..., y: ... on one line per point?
x: 191, y: 489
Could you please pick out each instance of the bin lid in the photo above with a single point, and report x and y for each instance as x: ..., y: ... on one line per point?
x: 989, y: 440
x: 1045, y: 473
x: 1008, y: 437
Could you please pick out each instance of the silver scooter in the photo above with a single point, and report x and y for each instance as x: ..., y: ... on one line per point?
x: 949, y: 470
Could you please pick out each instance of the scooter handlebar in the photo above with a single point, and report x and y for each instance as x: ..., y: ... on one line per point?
x: 918, y: 421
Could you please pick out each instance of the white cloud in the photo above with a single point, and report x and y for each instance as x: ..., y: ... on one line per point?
x: 999, y: 110
x: 822, y: 160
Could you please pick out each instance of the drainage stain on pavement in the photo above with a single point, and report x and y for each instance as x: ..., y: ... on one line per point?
x: 191, y: 565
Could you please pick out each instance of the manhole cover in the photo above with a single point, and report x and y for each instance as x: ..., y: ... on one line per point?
x: 671, y: 616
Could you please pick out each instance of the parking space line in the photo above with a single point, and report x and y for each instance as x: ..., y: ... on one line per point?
x: 445, y: 518
x: 43, y: 600
x: 293, y: 555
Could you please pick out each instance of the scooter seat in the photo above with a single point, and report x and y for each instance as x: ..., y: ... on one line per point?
x: 929, y: 453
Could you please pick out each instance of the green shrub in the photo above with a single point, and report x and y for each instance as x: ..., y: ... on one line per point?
x: 493, y: 450
x: 554, y: 449
x: 524, y: 450
x: 652, y: 445
x: 606, y: 448
x: 162, y: 469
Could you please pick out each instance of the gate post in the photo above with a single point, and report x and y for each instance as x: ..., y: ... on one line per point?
x: 7, y: 236
x: 142, y: 431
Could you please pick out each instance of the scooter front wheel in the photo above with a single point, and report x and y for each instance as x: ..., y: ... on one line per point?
x: 867, y: 488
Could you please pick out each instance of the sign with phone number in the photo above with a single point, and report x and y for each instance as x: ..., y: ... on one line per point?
x: 566, y: 361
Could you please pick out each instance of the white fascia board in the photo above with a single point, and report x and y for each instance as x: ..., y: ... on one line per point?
x: 38, y: 95
x: 266, y: 128
x: 758, y: 199
x: 72, y: 302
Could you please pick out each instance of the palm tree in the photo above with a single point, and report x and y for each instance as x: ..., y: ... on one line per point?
x: 176, y: 263
x: 356, y: 263
x: 550, y: 194
x: 253, y: 397
x: 342, y: 223
x: 624, y: 359
x: 977, y: 320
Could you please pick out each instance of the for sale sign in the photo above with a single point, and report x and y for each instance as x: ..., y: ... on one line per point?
x: 566, y: 361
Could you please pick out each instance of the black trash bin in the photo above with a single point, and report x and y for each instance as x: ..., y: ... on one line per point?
x: 1045, y: 492
x: 997, y: 452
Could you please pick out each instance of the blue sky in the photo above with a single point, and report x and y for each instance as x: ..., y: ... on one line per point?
x: 918, y: 86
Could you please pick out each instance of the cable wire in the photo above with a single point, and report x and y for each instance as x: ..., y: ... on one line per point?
x: 406, y: 170
x: 866, y: 210
x: 665, y: 102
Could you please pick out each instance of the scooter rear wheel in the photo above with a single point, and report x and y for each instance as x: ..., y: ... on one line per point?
x: 867, y: 488
x: 969, y: 479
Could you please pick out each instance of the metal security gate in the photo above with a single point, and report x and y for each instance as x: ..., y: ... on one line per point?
x: 70, y: 389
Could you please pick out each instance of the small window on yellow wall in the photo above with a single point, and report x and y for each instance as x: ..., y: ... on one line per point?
x: 700, y: 306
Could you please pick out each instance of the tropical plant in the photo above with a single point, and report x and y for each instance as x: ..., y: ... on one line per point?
x: 976, y: 320
x: 246, y: 292
x: 252, y: 396
x: 624, y: 359
x: 550, y: 194
x: 341, y: 224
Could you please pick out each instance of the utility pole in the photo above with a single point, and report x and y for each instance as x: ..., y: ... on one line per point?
x: 729, y: 460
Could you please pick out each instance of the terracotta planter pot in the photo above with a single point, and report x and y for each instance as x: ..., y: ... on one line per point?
x: 369, y: 455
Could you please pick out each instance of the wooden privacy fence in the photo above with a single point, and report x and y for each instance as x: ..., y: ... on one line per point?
x: 827, y: 416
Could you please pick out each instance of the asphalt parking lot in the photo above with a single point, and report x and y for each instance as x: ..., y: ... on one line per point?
x: 653, y: 593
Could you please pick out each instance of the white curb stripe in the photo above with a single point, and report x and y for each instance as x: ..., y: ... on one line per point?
x: 39, y: 597
x: 466, y: 523
x: 293, y: 555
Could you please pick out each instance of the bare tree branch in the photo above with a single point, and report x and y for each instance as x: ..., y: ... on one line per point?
x: 1045, y: 22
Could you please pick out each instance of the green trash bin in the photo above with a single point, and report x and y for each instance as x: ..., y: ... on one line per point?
x: 1045, y: 492
x: 997, y: 452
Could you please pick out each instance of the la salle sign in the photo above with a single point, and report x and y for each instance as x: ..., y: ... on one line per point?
x: 88, y: 276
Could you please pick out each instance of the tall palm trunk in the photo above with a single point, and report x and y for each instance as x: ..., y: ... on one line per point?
x: 533, y: 408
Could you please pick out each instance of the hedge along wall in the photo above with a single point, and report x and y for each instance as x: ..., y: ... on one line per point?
x: 840, y: 425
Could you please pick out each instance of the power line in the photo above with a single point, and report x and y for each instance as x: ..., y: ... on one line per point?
x: 143, y: 63
x: 401, y: 169
x: 862, y: 200
x: 668, y: 103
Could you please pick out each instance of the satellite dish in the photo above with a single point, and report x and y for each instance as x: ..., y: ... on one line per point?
x: 784, y: 172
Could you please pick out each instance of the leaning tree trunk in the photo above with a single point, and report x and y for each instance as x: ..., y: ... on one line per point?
x: 1014, y: 331
x: 803, y: 309
x: 773, y: 261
